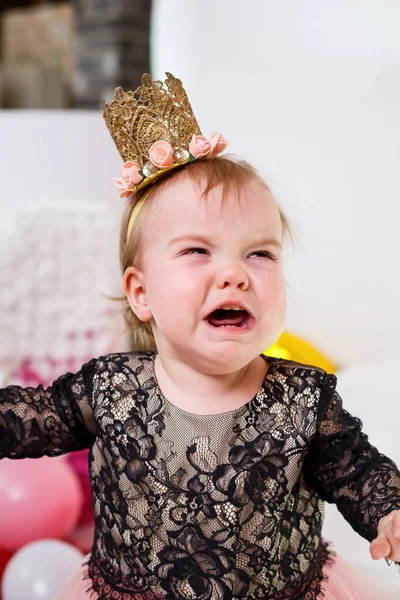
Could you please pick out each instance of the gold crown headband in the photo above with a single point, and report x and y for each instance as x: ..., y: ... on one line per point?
x: 155, y: 131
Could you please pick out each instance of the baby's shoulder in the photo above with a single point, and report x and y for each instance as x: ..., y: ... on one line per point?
x: 121, y: 365
x: 121, y: 381
x: 292, y: 372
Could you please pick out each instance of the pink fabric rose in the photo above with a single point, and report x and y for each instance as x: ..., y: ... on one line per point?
x: 161, y: 154
x: 199, y: 146
x: 130, y: 177
x: 218, y: 144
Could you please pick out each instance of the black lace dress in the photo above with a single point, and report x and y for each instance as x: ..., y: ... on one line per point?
x: 204, y: 507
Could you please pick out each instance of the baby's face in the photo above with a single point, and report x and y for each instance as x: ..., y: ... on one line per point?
x: 200, y: 256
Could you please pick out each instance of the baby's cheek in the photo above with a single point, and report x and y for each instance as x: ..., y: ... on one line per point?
x: 277, y: 298
x: 283, y: 295
x: 276, y: 288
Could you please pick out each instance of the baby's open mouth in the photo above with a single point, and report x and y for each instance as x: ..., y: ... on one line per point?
x: 229, y: 317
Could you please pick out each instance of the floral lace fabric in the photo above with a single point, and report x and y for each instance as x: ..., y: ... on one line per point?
x: 212, y: 507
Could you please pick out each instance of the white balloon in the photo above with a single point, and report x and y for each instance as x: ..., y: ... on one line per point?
x: 39, y: 570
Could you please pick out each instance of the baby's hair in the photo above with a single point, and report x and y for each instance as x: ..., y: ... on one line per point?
x: 231, y: 173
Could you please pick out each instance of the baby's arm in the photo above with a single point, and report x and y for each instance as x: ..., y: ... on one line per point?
x: 346, y: 469
x: 37, y: 421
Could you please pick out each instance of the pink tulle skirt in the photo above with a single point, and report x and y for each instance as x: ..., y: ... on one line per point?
x: 343, y: 583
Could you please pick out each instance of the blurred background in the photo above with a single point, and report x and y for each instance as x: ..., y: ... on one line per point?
x: 67, y: 54
x: 307, y: 91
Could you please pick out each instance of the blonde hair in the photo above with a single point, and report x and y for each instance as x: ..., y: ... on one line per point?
x: 231, y: 173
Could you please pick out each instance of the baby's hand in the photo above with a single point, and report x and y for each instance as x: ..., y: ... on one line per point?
x: 387, y: 543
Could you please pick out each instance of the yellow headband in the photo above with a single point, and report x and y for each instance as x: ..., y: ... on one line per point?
x: 150, y: 181
x: 135, y: 213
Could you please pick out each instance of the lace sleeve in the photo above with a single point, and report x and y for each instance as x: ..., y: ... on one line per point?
x: 37, y: 421
x: 346, y: 469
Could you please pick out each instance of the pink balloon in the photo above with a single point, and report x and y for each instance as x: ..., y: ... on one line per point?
x: 39, y: 498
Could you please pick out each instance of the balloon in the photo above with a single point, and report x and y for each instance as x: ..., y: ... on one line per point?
x: 39, y: 498
x: 39, y: 570
x: 291, y: 347
x: 82, y: 537
x: 5, y: 556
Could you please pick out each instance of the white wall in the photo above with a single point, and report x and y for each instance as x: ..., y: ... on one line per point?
x: 51, y: 157
x: 309, y: 92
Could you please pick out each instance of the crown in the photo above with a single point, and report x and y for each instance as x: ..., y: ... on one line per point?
x: 155, y: 131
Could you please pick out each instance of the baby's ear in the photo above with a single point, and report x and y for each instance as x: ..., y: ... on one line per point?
x: 136, y: 293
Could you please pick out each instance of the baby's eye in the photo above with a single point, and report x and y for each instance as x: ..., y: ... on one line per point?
x: 195, y: 251
x: 264, y: 254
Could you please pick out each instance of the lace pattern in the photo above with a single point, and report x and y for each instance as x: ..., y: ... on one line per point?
x: 155, y: 111
x: 37, y: 421
x: 206, y: 506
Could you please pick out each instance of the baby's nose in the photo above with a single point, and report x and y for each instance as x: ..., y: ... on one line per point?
x: 232, y: 275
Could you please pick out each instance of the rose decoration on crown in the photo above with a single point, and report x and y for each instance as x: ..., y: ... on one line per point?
x: 162, y: 158
x: 130, y: 177
x: 155, y: 131
x: 161, y: 155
